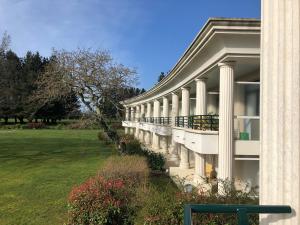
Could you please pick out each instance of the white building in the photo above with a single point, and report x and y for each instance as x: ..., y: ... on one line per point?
x: 217, y: 45
x: 205, y: 114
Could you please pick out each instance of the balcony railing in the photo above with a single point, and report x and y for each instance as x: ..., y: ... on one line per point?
x: 242, y: 211
x: 157, y: 120
x: 198, y: 122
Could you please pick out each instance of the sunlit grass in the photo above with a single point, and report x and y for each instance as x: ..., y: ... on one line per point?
x: 39, y: 167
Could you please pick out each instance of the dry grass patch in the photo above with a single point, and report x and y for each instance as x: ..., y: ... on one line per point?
x: 129, y: 167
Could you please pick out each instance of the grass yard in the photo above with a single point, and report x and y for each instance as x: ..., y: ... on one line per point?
x: 38, y: 169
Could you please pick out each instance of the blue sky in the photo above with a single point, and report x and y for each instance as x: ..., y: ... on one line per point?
x: 149, y: 35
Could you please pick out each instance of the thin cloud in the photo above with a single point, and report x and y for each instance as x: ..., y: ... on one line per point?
x: 40, y: 25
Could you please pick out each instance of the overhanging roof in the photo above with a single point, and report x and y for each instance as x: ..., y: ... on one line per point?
x: 212, y: 26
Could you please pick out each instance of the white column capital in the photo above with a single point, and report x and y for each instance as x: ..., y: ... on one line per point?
x: 174, y: 93
x: 199, y: 79
x: 185, y: 88
x: 227, y: 64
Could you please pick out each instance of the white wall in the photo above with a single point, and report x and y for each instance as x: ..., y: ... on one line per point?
x: 247, y: 171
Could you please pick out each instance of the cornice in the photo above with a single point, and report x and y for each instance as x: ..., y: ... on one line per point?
x: 212, y: 27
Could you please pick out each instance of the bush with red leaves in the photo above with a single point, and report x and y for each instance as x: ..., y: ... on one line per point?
x: 101, y: 200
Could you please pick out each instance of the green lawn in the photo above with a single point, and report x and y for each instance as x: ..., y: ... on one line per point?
x: 38, y: 169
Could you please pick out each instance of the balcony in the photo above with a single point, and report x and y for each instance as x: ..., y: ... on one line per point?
x: 158, y: 125
x: 157, y: 120
x: 198, y: 122
x: 198, y: 133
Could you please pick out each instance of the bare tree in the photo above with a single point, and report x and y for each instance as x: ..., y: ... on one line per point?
x: 5, y: 42
x: 93, y: 75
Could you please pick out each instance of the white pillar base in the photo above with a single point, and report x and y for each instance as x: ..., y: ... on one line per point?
x: 155, y: 142
x: 184, y: 158
x: 199, y: 175
x: 147, y: 138
x: 174, y: 156
x: 141, y: 136
x: 164, y: 144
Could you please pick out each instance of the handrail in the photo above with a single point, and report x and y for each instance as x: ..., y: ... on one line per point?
x: 242, y: 211
x: 157, y: 120
x: 198, y: 122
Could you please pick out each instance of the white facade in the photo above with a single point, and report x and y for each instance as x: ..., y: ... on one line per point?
x: 205, y: 114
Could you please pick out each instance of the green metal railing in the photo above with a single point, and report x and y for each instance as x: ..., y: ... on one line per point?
x: 157, y: 120
x: 198, y: 122
x: 242, y: 211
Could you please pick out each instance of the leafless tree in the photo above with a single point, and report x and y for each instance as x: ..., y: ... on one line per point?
x: 93, y: 75
x: 5, y: 42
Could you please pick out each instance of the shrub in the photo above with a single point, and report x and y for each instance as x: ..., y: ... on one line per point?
x: 131, y: 146
x: 84, y: 123
x: 126, y: 138
x: 133, y: 169
x: 39, y: 125
x: 155, y: 160
x: 164, y: 207
x: 101, y: 200
x: 116, y: 125
x: 102, y: 136
x: 109, y: 198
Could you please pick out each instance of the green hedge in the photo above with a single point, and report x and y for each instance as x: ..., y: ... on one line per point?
x: 131, y: 146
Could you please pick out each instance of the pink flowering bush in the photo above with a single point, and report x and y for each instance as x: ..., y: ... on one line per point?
x: 101, y: 200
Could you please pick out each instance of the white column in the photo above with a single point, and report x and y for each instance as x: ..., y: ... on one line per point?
x: 175, y: 107
x: 137, y: 113
x: 126, y: 113
x: 225, y: 166
x: 156, y: 113
x: 142, y: 116
x: 165, y: 107
x: 185, y: 98
x: 164, y: 139
x: 175, y: 112
x: 149, y: 110
x: 126, y: 119
x: 184, y: 153
x: 132, y: 115
x: 201, y: 96
x: 200, y: 110
x: 148, y: 134
x: 280, y: 112
x: 132, y: 118
x: 142, y: 111
x: 137, y: 117
x: 184, y: 157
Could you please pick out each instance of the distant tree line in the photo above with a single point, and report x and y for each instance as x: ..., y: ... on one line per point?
x: 27, y: 92
x: 17, y: 84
